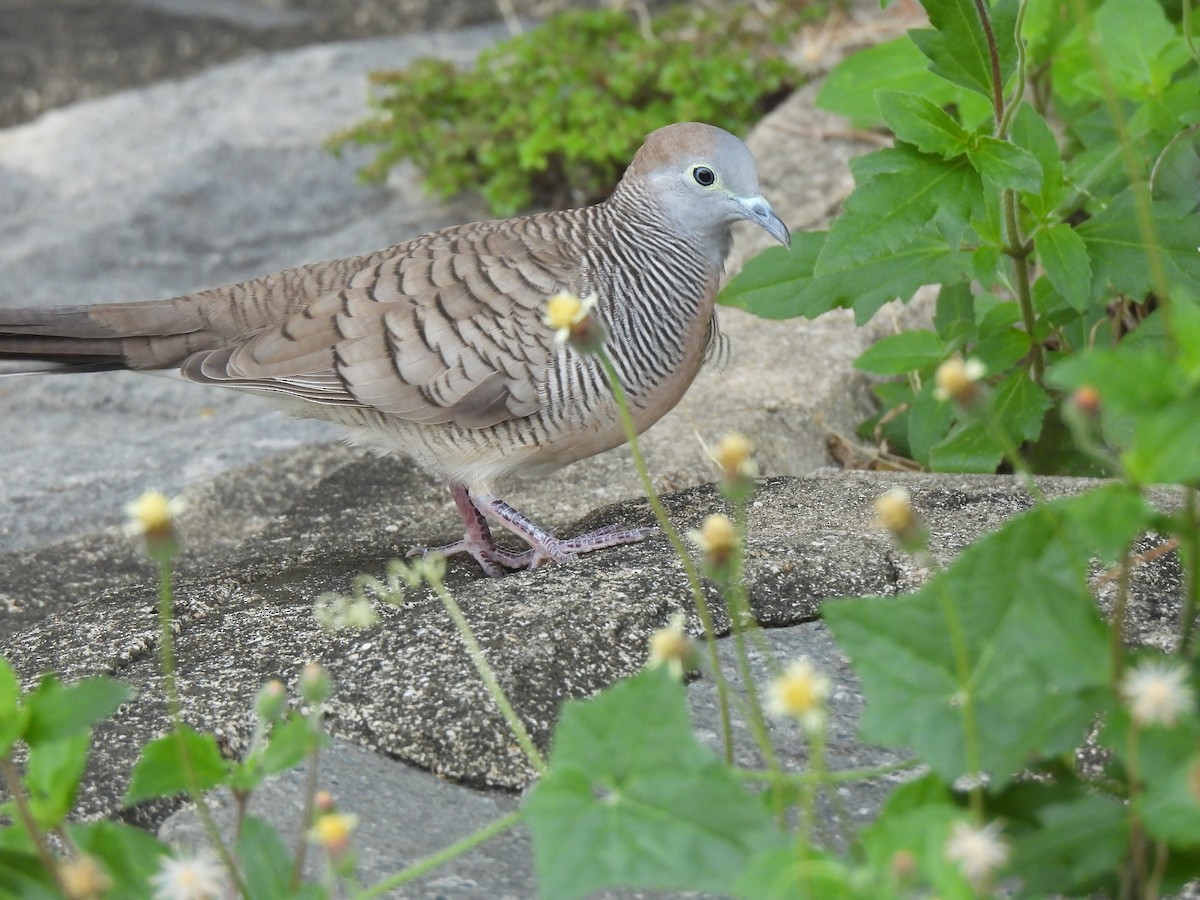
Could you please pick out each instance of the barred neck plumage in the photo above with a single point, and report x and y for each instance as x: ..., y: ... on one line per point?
x: 656, y: 288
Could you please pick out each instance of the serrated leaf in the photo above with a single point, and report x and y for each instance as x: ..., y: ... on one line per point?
x: 1011, y: 626
x: 970, y: 447
x: 780, y: 285
x: 1118, y: 248
x: 898, y: 354
x: 266, y: 861
x: 57, y: 711
x: 52, y: 775
x: 1140, y: 46
x: 929, y: 420
x: 1002, y: 349
x: 954, y: 316
x: 850, y: 88
x: 1075, y: 842
x: 1005, y: 164
x: 1165, y: 445
x: 1176, y: 175
x: 1030, y: 132
x: 163, y: 768
x: 922, y: 122
x: 957, y: 46
x: 130, y: 855
x: 630, y: 796
x: 887, y: 210
x: 1064, y: 256
x: 1019, y: 405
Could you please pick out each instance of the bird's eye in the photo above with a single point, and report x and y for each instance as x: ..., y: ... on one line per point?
x: 704, y: 176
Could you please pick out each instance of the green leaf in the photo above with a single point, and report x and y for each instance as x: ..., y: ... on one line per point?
x: 266, y: 861
x: 23, y: 875
x: 970, y: 447
x: 778, y: 284
x: 889, y: 207
x: 996, y: 658
x: 1075, y: 843
x: 52, y: 776
x: 1019, y: 406
x: 1002, y: 349
x: 898, y: 354
x: 1005, y: 164
x: 130, y: 855
x: 1177, y: 170
x: 922, y: 122
x: 630, y: 799
x: 893, y: 65
x: 13, y: 715
x: 915, y: 822
x: 957, y: 46
x: 1119, y: 249
x: 291, y: 741
x: 1064, y: 256
x: 1165, y: 445
x: 787, y: 873
x: 1030, y: 132
x: 161, y: 771
x: 1140, y: 46
x: 954, y: 317
x: 929, y: 420
x: 57, y: 712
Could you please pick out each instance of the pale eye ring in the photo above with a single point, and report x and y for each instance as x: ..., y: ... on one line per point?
x: 705, y: 177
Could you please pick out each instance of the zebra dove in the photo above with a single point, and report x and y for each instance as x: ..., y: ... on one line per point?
x: 437, y: 347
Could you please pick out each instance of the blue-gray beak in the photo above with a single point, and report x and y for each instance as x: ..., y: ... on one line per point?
x: 759, y: 211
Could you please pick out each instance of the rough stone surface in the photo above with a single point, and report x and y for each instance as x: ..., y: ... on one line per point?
x: 220, y: 177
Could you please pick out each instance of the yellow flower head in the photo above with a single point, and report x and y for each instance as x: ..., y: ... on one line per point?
x: 332, y: 831
x: 716, y: 539
x: 801, y: 692
x: 733, y: 454
x: 671, y: 646
x: 83, y: 878
x: 152, y: 516
x: 958, y: 380
x: 1156, y: 693
x: 566, y: 313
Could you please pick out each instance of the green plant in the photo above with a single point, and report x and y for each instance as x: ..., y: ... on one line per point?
x: 552, y: 116
x: 1041, y: 251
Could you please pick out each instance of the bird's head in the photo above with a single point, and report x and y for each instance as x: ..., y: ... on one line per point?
x: 702, y: 179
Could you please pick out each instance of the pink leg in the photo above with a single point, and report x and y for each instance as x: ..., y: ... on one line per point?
x: 477, y: 540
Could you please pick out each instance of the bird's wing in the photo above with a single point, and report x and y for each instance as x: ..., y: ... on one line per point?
x: 447, y: 330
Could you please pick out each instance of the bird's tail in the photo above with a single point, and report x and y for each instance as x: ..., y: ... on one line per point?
x: 156, y: 334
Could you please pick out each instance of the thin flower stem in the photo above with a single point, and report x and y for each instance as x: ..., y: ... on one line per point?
x: 741, y: 621
x: 311, y: 781
x: 839, y: 776
x: 489, y: 676
x: 1019, y: 93
x: 17, y: 790
x: 693, y: 575
x: 1013, y: 247
x: 1137, y: 837
x: 1190, y: 543
x: 1116, y: 627
x: 429, y: 863
x: 163, y: 557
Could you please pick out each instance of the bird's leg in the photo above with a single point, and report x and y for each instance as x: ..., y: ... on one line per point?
x: 477, y: 539
x: 545, y: 546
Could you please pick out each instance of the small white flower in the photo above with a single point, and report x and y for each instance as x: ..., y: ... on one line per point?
x: 958, y: 380
x: 184, y: 877
x: 801, y: 691
x: 153, y: 515
x: 671, y: 646
x: 1156, y: 692
x: 978, y: 851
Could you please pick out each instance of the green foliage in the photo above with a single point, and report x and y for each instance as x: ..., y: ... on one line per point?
x: 591, y: 84
x: 631, y: 798
x: 1042, y: 248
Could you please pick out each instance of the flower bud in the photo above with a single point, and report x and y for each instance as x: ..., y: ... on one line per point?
x: 315, y: 683
x: 959, y: 381
x: 271, y: 701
